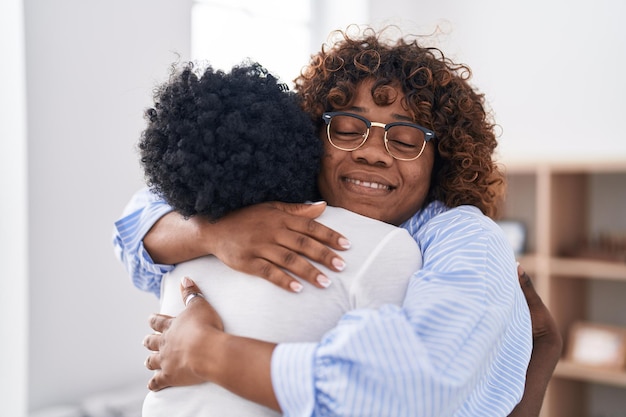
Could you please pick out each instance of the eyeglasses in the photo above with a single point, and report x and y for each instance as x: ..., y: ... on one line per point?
x: 403, y: 140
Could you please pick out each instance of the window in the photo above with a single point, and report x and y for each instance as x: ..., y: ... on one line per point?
x: 276, y: 33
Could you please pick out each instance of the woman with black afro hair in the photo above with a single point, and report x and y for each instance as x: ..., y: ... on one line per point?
x: 210, y: 144
x: 216, y: 142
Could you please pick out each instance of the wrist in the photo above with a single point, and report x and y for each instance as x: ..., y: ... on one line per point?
x: 205, y: 234
x: 243, y: 366
x: 213, y: 366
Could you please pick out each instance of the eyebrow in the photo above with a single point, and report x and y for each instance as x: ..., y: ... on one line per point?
x: 394, y: 115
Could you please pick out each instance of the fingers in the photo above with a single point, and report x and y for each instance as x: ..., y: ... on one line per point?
x: 157, y: 383
x: 193, y: 297
x: 190, y: 291
x: 311, y: 211
x: 545, y: 331
x: 153, y: 362
x: 305, y: 241
x: 160, y: 322
x: 303, y: 222
x: 274, y: 264
x: 285, y: 243
x: 532, y: 298
x: 277, y: 276
x: 151, y: 342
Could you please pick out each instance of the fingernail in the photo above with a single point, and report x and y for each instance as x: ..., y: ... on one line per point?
x: 323, y: 281
x: 187, y: 282
x: 295, y: 286
x: 339, y: 264
x: 344, y: 243
x: 316, y: 203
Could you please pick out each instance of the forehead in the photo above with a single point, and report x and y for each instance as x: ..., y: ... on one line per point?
x: 370, y: 98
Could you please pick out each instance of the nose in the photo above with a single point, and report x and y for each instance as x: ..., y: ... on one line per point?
x: 373, y: 151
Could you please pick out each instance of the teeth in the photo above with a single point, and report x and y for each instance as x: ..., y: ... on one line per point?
x: 373, y: 185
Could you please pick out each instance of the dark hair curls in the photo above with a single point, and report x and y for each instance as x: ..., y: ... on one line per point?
x: 217, y: 141
x: 436, y: 92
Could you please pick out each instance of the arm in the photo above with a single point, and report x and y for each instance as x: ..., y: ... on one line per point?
x: 200, y: 358
x: 193, y: 348
x: 140, y: 214
x: 265, y: 240
x: 259, y: 240
x: 387, y: 351
x: 547, y: 345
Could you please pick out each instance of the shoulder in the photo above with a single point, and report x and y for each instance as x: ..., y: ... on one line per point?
x: 462, y: 223
x: 463, y: 238
x: 373, y: 241
x: 348, y: 222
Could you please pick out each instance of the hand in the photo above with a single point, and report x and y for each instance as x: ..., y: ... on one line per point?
x: 193, y: 348
x: 269, y: 239
x: 186, y: 348
x: 547, y: 345
x: 544, y: 325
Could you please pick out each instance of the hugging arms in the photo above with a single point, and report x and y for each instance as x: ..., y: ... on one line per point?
x: 380, y: 161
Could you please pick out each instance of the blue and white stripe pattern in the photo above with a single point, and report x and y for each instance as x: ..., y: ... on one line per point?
x: 459, y: 346
x: 143, y: 210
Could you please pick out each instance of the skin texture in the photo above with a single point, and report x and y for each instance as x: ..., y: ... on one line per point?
x: 547, y: 347
x: 368, y: 180
x: 285, y: 236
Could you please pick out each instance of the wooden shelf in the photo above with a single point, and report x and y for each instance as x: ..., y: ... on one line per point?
x: 588, y: 269
x: 560, y: 204
x: 571, y: 370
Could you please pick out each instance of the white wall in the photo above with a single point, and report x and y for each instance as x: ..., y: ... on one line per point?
x: 552, y: 70
x: 90, y: 70
x: 13, y: 214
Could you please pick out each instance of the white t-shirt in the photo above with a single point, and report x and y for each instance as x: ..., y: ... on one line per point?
x: 378, y: 266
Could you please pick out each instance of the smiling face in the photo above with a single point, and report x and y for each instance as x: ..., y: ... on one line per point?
x: 368, y: 180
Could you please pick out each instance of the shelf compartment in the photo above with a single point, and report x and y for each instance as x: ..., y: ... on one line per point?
x: 570, y: 370
x: 587, y: 269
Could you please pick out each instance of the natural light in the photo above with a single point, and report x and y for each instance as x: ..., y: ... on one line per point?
x: 275, y: 33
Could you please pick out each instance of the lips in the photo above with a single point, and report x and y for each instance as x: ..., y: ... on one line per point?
x: 368, y: 184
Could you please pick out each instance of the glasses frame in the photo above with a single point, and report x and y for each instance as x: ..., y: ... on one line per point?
x: 328, y: 116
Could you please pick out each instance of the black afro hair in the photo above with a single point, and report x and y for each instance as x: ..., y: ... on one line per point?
x: 216, y: 141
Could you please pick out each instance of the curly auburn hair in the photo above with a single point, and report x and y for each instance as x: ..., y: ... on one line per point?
x: 217, y: 141
x: 437, y: 94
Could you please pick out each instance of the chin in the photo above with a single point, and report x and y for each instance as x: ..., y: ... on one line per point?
x: 370, y: 212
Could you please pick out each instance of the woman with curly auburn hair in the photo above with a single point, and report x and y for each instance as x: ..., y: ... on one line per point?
x: 435, y: 93
x: 407, y: 141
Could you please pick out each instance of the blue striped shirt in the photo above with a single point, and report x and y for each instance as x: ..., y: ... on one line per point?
x: 458, y: 346
x: 139, y: 215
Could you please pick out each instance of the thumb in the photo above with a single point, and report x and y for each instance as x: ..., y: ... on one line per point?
x: 310, y: 210
x: 189, y: 290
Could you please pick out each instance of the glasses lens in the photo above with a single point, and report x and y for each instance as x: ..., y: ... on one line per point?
x: 347, y: 132
x: 405, y: 141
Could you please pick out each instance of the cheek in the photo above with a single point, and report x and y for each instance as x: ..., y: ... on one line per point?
x: 420, y: 178
x: 324, y: 182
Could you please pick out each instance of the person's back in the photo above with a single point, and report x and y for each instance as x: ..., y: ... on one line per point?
x: 220, y: 142
x: 254, y: 307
